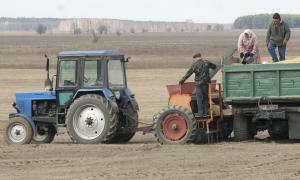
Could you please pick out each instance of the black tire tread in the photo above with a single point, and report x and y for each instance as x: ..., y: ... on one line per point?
x: 49, y: 139
x: 240, y: 127
x: 125, y: 134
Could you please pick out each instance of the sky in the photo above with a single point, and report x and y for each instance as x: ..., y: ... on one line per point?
x: 200, y: 11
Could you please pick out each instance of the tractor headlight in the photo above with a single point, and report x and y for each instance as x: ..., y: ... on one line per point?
x: 117, y: 94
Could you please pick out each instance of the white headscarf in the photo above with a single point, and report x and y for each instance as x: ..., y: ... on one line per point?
x: 249, y: 32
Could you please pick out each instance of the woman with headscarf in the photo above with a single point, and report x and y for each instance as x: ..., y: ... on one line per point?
x: 248, y: 47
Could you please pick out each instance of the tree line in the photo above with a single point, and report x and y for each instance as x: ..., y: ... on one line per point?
x: 262, y: 21
x: 27, y: 24
x: 78, y: 26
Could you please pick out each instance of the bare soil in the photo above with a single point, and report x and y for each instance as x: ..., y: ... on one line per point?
x: 143, y: 157
x: 148, y: 50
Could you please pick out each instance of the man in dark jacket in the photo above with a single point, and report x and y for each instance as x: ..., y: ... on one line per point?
x: 201, y: 69
x: 278, y: 35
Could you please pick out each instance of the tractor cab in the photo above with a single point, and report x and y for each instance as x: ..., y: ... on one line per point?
x: 79, y: 72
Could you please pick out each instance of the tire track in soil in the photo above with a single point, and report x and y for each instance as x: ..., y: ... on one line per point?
x: 274, y: 163
x: 110, y: 161
x: 295, y: 175
x: 259, y: 168
x: 20, y: 163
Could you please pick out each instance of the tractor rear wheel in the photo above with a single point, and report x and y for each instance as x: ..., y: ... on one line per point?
x: 128, y: 122
x: 175, y: 125
x: 18, y: 131
x: 45, y: 133
x: 91, y: 119
x: 241, y: 127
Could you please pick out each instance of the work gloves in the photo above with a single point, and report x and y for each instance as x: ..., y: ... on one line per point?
x: 247, y: 58
x: 249, y: 54
x: 242, y: 55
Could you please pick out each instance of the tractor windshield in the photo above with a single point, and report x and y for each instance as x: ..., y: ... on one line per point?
x: 116, y: 74
x: 93, y: 73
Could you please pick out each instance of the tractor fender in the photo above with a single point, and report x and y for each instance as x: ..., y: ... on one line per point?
x: 105, y: 92
x: 108, y: 94
x: 34, y: 128
x: 134, y: 104
x: 129, y: 98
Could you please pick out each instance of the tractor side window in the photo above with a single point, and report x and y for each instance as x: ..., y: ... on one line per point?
x: 116, y: 73
x: 67, y: 76
x: 93, y: 74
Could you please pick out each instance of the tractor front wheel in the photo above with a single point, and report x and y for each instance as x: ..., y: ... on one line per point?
x: 175, y: 125
x: 91, y: 119
x: 18, y: 131
x: 45, y: 134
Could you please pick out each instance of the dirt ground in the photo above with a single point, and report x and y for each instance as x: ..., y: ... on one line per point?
x: 143, y: 157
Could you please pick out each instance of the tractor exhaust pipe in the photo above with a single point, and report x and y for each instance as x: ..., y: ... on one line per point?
x: 48, y: 83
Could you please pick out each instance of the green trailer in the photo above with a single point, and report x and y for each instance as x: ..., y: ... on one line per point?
x: 264, y: 97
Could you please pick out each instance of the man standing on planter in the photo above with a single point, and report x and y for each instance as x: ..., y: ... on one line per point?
x: 201, y: 70
x: 278, y: 35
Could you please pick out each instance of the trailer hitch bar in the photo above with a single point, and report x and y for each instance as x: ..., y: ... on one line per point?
x: 148, y: 128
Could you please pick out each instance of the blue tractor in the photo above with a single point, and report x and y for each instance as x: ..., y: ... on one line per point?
x: 91, y: 99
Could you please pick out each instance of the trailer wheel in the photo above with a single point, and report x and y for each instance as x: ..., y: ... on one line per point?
x: 128, y: 122
x: 279, y: 129
x: 175, y: 125
x: 226, y: 127
x: 18, y: 131
x: 275, y: 135
x: 241, y: 127
x: 91, y: 120
x: 45, y: 133
x: 201, y: 137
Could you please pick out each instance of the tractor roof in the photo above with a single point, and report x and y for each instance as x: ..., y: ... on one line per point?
x: 90, y: 53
